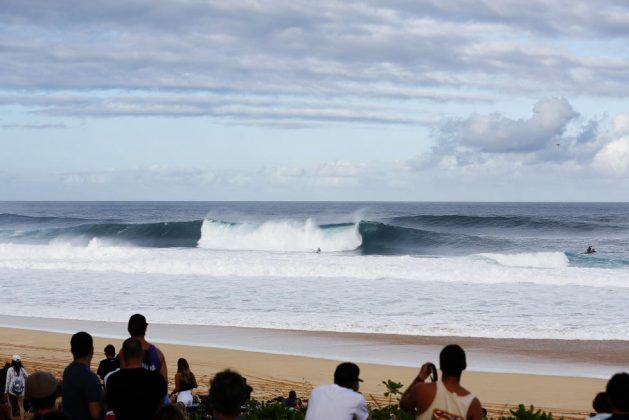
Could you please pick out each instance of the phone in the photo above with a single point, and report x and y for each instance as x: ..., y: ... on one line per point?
x: 433, y: 373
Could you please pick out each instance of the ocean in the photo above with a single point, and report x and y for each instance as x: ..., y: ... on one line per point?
x: 498, y: 270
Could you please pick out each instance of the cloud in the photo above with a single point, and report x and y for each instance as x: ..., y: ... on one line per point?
x: 613, y: 158
x: 399, y: 55
x: 498, y: 134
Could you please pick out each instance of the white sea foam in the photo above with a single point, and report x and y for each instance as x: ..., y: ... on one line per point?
x: 278, y: 236
x: 530, y: 260
x: 98, y: 257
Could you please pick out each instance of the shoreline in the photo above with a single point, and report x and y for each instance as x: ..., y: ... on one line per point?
x: 272, y: 374
x: 574, y: 358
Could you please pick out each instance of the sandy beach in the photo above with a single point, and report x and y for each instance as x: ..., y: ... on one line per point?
x: 274, y: 374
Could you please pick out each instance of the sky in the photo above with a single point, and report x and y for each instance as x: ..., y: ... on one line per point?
x: 433, y: 100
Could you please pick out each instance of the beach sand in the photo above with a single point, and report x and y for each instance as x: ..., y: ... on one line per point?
x: 272, y: 374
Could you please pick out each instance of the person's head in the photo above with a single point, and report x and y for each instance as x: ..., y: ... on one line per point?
x: 41, y: 390
x: 618, y: 393
x: 137, y: 325
x: 227, y: 393
x: 347, y: 375
x: 169, y: 412
x: 16, y: 362
x: 600, y: 404
x: 132, y: 351
x: 182, y: 365
x: 81, y: 345
x: 452, y: 360
x: 292, y: 394
x: 110, y: 351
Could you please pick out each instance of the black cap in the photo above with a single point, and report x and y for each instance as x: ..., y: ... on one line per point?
x: 137, y: 325
x: 346, y: 374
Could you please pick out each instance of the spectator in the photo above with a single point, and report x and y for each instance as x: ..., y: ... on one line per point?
x: 41, y: 393
x: 292, y: 401
x: 134, y: 393
x: 5, y: 404
x: 81, y: 392
x: 445, y: 399
x: 109, y: 363
x: 15, y: 383
x: 185, y: 382
x: 227, y: 394
x: 248, y: 389
x: 618, y: 396
x: 169, y: 412
x: 153, y: 358
x: 601, y: 406
x: 341, y: 400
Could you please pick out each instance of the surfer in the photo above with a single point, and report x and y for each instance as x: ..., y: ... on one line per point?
x: 590, y: 250
x: 318, y: 251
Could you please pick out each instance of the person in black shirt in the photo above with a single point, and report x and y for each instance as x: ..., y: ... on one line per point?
x: 109, y: 364
x: 134, y: 393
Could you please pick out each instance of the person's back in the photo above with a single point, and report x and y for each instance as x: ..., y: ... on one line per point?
x: 446, y: 399
x: 153, y: 358
x: 81, y: 392
x: 109, y: 364
x: 134, y: 393
x: 341, y: 400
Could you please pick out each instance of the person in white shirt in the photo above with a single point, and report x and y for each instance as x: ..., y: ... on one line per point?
x: 445, y: 400
x: 341, y: 400
x: 16, y: 382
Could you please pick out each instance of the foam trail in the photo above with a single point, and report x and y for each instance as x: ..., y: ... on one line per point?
x: 530, y: 260
x: 99, y: 257
x: 278, y: 236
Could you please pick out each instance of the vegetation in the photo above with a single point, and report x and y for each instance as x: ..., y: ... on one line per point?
x: 522, y: 413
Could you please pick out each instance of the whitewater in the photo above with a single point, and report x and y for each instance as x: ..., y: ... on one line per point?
x: 483, y: 270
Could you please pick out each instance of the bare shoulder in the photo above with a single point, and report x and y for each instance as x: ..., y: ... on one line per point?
x: 474, y: 411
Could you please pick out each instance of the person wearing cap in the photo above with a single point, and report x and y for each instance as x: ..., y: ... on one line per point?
x: 15, y: 382
x: 82, y: 392
x: 153, y: 357
x: 41, y: 392
x: 341, y: 400
x: 446, y: 399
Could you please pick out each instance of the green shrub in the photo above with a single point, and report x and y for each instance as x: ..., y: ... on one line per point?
x: 522, y: 413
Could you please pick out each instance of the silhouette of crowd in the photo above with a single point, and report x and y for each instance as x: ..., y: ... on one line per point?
x: 133, y: 385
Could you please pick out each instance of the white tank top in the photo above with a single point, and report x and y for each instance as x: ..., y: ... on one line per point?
x: 447, y: 405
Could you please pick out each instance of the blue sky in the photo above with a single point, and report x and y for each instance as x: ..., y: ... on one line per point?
x: 296, y: 100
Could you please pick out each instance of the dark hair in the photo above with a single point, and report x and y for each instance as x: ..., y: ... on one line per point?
x: 618, y: 392
x: 169, y: 412
x: 452, y: 360
x: 292, y: 394
x: 132, y: 349
x: 137, y: 325
x: 600, y: 404
x: 16, y: 366
x: 183, y: 368
x: 346, y: 374
x: 110, y: 350
x: 81, y: 344
x: 227, y: 392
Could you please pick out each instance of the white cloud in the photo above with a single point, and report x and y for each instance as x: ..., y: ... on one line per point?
x: 613, y: 158
x: 498, y: 134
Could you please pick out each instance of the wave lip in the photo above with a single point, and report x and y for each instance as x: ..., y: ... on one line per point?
x: 283, y: 236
